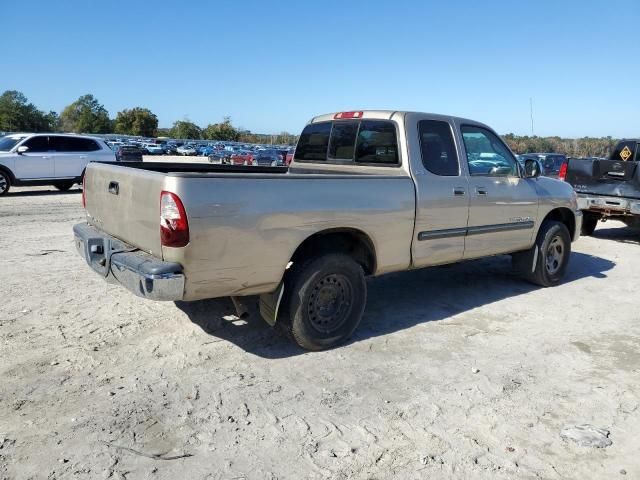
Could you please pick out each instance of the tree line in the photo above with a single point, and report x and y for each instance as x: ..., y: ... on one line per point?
x: 88, y: 115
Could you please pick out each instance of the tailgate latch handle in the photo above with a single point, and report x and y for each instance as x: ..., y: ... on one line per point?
x: 114, y: 188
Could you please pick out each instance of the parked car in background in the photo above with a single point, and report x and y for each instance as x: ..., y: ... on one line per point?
x: 186, y: 150
x: 608, y: 188
x: 242, y: 158
x: 48, y: 159
x: 268, y: 158
x: 218, y: 156
x: 289, y: 157
x: 129, y: 153
x: 153, y: 148
x: 170, y: 148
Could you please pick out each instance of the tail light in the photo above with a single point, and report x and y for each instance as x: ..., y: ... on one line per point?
x: 562, y: 174
x: 174, y: 227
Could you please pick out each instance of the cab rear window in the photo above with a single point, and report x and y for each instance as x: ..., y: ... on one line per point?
x: 313, y: 143
x: 366, y: 141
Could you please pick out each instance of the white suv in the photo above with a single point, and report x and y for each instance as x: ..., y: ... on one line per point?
x: 28, y: 159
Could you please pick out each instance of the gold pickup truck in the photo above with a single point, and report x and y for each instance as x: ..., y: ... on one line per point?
x: 367, y: 193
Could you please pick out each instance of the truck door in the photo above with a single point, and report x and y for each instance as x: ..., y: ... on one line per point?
x: 503, y: 206
x: 35, y: 163
x: 442, y: 197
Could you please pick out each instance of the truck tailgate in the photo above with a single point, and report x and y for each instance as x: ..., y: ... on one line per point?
x: 613, y: 178
x: 125, y: 203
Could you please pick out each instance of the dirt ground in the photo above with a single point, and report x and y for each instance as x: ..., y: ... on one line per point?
x: 462, y: 371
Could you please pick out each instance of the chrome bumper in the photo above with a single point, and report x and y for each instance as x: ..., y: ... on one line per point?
x: 608, y: 205
x: 139, y: 272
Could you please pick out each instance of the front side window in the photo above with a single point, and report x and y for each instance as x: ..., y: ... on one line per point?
x: 313, y: 142
x: 438, y: 150
x: 343, y: 140
x: 377, y: 142
x: 486, y: 154
x: 37, y: 144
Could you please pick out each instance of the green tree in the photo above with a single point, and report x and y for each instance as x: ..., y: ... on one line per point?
x: 136, y: 121
x: 86, y: 115
x: 17, y: 114
x: 185, y: 129
x: 221, y: 131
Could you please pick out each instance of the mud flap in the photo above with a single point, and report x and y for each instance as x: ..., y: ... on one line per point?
x: 270, y: 303
x: 525, y: 262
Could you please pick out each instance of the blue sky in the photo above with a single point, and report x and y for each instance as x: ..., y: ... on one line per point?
x: 273, y: 65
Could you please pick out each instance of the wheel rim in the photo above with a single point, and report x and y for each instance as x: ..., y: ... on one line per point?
x: 330, y: 303
x: 3, y: 184
x: 555, y: 255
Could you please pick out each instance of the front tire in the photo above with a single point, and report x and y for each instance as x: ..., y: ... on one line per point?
x: 324, y: 301
x: 589, y: 223
x: 63, y: 186
x: 5, y: 183
x: 546, y: 262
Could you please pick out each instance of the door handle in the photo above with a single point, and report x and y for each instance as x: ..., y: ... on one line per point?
x: 481, y: 190
x: 44, y: 157
x: 83, y: 157
x: 458, y: 191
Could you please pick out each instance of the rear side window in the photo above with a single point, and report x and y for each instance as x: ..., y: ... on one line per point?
x: 72, y: 144
x: 343, y: 140
x: 438, y: 149
x: 313, y: 142
x: 377, y: 142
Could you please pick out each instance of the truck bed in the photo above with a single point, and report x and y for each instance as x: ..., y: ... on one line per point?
x: 246, y: 222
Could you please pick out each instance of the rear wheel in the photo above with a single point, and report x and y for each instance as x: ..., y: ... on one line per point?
x: 63, y: 186
x: 589, y: 223
x: 545, y: 264
x: 5, y: 183
x: 324, y: 301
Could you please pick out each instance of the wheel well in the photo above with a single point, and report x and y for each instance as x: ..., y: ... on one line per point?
x: 563, y: 215
x: 8, y: 172
x: 349, y: 241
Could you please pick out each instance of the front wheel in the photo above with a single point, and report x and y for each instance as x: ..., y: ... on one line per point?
x: 5, y: 183
x: 63, y: 186
x: 546, y: 262
x: 324, y: 301
x: 589, y: 223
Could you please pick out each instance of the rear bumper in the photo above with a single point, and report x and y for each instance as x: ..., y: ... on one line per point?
x: 608, y: 205
x: 139, y: 272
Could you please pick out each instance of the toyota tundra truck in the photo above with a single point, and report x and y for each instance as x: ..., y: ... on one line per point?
x: 608, y: 188
x: 367, y: 193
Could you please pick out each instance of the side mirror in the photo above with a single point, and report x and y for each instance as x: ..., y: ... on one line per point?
x: 22, y: 150
x: 532, y: 168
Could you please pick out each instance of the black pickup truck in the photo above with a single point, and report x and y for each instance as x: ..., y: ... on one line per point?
x: 608, y: 188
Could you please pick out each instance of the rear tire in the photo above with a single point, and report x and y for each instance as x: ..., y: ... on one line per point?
x: 63, y: 186
x: 553, y: 246
x: 589, y: 223
x: 324, y: 301
x: 5, y: 183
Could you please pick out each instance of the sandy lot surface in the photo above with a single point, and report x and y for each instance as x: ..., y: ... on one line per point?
x: 462, y: 371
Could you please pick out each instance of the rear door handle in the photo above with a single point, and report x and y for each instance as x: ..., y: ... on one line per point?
x: 481, y: 190
x: 458, y: 191
x: 83, y: 157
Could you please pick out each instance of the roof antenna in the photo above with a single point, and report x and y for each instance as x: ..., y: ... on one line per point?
x: 531, y: 111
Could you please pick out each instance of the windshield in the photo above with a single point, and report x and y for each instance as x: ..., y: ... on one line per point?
x: 7, y: 143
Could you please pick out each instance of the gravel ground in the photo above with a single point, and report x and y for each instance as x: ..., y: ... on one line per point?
x: 462, y: 371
